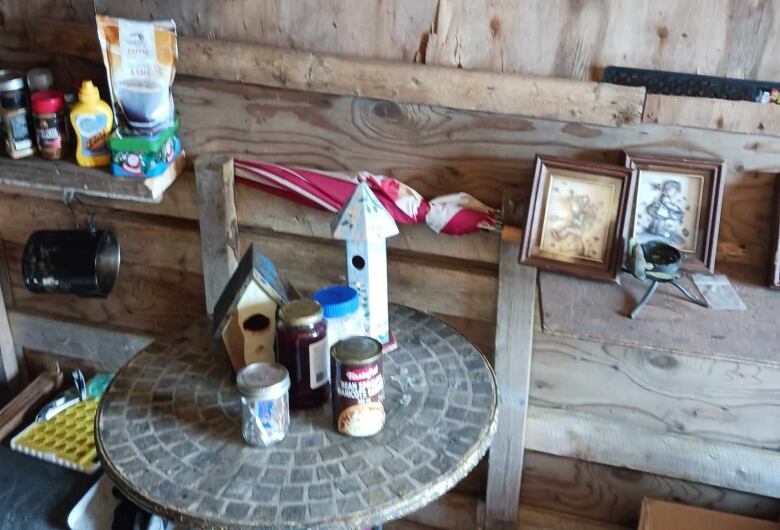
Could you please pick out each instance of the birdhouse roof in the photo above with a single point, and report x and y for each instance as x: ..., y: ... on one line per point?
x: 363, y: 217
x: 253, y: 267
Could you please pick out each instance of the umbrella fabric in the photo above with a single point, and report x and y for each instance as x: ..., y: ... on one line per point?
x: 454, y: 214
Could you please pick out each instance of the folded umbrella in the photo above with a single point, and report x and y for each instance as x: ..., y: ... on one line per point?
x: 454, y: 214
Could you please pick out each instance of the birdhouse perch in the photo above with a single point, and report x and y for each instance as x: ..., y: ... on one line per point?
x: 365, y: 225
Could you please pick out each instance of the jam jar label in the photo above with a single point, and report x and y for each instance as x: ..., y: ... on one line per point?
x: 319, y: 367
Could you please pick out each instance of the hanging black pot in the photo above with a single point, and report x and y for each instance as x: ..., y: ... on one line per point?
x: 80, y: 262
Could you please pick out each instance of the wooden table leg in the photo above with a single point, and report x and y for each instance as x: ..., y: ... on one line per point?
x: 514, y: 334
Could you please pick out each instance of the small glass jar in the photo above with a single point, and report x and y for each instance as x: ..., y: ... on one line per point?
x: 50, y: 120
x: 265, y: 410
x: 301, y: 346
x: 16, y: 116
x: 341, y: 306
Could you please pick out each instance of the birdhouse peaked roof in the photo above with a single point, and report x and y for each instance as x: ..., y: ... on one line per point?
x: 363, y: 217
x: 254, y: 266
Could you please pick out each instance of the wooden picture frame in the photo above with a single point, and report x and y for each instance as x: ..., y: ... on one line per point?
x: 667, y: 192
x: 576, y: 217
x: 774, y: 243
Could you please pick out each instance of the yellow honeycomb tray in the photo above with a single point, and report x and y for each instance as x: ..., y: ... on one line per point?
x: 67, y: 439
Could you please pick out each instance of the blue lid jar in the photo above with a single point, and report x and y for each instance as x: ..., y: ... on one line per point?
x: 338, y: 300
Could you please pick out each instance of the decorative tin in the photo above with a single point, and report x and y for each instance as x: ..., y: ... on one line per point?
x: 357, y: 386
x: 143, y: 156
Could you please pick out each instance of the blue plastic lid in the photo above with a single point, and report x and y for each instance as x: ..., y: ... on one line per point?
x: 338, y: 300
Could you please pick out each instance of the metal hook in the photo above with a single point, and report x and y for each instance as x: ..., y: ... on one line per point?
x: 69, y: 196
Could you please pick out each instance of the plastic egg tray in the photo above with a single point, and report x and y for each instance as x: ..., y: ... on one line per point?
x: 67, y: 439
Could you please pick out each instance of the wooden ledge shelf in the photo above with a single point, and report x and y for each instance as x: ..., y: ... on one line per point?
x: 65, y: 176
x: 596, y: 311
x: 715, y: 114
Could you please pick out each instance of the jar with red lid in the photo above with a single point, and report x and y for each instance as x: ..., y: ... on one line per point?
x: 51, y: 125
x: 302, y: 348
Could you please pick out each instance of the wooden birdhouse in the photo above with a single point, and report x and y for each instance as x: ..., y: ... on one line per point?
x: 365, y: 224
x: 245, y: 314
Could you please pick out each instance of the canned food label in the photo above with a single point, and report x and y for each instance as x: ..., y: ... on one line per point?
x: 319, y: 368
x: 358, y: 392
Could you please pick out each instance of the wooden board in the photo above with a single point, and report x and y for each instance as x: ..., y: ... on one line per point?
x: 65, y: 176
x: 597, y: 311
x: 567, y: 39
x: 514, y: 334
x: 614, y: 494
x: 582, y: 101
x: 671, y: 393
x: 722, y: 464
x: 717, y: 114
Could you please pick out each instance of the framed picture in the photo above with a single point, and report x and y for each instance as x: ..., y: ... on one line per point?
x: 576, y: 217
x: 678, y: 201
x: 774, y: 243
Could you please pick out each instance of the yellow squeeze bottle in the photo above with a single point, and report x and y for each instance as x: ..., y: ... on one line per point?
x: 92, y: 121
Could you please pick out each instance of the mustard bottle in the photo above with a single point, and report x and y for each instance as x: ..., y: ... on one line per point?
x: 92, y: 121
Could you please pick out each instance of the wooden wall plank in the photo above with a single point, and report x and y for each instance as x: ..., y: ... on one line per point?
x: 565, y: 38
x: 699, y: 396
x: 111, y: 347
x: 614, y: 494
x: 541, y: 97
x: 9, y: 364
x: 716, y: 114
x: 728, y: 465
x: 514, y: 336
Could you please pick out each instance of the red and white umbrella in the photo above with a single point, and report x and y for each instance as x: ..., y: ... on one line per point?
x: 454, y: 214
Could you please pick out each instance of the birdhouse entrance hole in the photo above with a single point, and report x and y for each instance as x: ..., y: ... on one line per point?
x: 358, y: 262
x: 256, y: 322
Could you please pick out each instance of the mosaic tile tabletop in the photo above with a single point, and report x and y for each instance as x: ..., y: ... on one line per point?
x: 169, y: 435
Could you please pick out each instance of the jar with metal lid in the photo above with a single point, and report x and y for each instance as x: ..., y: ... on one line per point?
x: 301, y: 346
x: 265, y: 410
x: 341, y: 306
x: 50, y: 120
x: 16, y: 116
x: 39, y: 79
x: 358, y: 387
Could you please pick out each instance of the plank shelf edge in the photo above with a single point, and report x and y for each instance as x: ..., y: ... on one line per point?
x: 64, y: 176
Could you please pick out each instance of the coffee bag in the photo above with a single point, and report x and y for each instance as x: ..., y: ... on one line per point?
x: 140, y: 59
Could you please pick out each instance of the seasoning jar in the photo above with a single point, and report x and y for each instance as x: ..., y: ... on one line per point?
x: 16, y: 117
x: 50, y: 121
x: 341, y: 306
x: 39, y: 79
x: 265, y: 410
x: 358, y: 386
x: 301, y: 346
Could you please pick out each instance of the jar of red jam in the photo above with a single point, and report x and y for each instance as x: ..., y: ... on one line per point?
x: 302, y: 347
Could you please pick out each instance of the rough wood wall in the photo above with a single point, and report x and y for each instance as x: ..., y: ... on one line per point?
x: 563, y: 38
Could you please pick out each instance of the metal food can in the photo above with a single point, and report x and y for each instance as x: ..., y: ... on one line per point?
x: 357, y: 386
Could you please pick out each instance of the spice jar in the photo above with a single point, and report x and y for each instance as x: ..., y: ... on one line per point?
x: 301, y: 346
x: 265, y: 411
x: 50, y: 120
x: 358, y: 386
x: 16, y: 117
x: 341, y: 306
x: 39, y: 79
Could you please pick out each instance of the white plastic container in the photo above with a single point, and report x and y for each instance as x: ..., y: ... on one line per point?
x: 341, y: 307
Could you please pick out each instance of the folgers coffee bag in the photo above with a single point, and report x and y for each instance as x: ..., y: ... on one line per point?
x: 357, y: 386
x: 140, y: 59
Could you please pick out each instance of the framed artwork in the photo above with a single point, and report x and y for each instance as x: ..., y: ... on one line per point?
x: 576, y: 217
x: 678, y: 201
x: 774, y: 243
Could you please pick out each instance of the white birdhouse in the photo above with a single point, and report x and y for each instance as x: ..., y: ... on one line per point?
x: 365, y: 224
x: 245, y: 314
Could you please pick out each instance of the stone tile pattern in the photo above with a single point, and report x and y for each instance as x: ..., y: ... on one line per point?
x: 169, y: 435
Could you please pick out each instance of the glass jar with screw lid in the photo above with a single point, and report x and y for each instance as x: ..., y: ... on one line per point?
x: 265, y: 410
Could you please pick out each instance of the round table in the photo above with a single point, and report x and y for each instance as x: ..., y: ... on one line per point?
x: 169, y: 435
